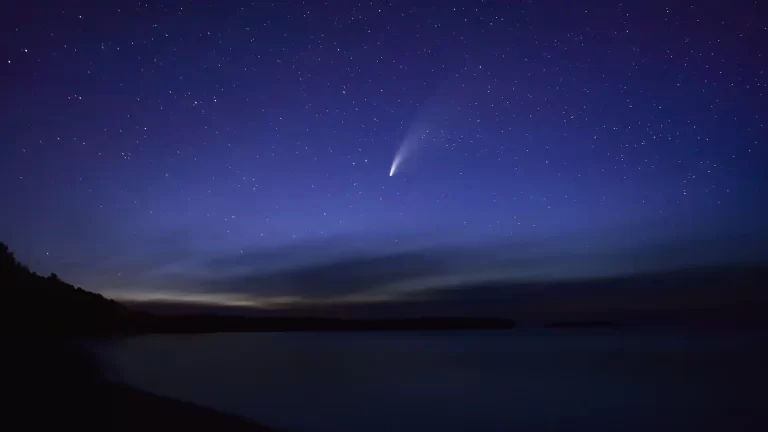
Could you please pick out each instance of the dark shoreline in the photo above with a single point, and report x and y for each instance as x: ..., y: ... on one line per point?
x: 132, y: 409
x: 57, y: 383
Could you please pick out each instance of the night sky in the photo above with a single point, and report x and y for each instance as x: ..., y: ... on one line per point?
x: 241, y: 152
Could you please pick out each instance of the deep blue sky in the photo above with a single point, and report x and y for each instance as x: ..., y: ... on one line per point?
x: 161, y: 150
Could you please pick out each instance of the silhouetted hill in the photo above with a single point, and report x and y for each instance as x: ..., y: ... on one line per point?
x: 49, y: 305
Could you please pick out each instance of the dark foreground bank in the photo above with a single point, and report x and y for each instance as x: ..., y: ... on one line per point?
x: 56, y: 385
x: 134, y: 410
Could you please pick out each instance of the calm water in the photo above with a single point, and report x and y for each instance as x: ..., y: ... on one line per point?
x: 461, y: 381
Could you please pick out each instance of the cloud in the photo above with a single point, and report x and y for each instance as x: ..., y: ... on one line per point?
x: 506, y: 278
x: 332, y: 279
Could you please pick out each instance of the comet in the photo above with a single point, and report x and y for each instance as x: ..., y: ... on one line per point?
x: 412, y: 140
x: 428, y: 126
x: 395, y: 164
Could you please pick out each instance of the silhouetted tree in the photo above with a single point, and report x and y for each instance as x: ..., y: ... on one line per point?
x: 50, y: 305
x: 7, y: 260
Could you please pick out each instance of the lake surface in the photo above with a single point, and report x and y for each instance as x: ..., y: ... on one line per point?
x: 525, y: 380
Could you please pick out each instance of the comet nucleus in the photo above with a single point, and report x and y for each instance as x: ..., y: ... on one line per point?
x: 395, y: 163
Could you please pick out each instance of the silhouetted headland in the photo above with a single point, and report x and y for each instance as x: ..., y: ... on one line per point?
x: 56, y: 384
x: 584, y: 324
